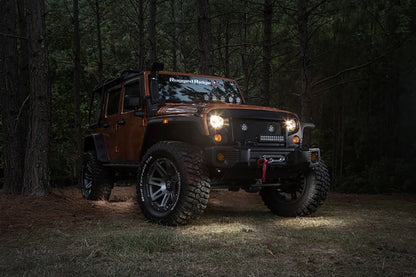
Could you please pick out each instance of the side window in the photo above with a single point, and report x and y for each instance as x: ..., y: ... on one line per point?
x: 132, y: 96
x: 96, y: 109
x: 113, y: 100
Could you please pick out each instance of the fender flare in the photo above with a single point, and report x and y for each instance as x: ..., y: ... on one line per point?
x: 95, y: 142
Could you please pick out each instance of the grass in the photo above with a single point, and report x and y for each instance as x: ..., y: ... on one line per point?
x: 369, y: 238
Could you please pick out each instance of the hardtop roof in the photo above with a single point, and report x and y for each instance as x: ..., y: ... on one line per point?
x: 125, y: 75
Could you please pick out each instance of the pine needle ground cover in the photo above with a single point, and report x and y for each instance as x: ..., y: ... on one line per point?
x: 63, y: 234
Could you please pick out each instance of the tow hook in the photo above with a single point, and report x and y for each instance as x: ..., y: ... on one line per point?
x: 262, y: 162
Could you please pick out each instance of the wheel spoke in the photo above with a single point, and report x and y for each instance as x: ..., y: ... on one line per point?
x: 156, y: 182
x: 165, y: 200
x: 157, y: 194
x: 160, y: 169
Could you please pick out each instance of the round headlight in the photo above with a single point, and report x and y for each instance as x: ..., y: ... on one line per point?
x: 290, y: 125
x: 216, y: 121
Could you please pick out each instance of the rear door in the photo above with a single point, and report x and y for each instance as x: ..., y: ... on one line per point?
x: 111, y: 123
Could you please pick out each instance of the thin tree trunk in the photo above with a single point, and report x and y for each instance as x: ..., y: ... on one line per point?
x: 177, y: 15
x: 100, y: 48
x: 77, y: 110
x: 267, y: 50
x: 37, y: 176
x: 227, y: 49
x: 174, y: 36
x: 12, y: 150
x: 152, y: 31
x: 140, y: 64
x: 205, y: 37
x: 244, y: 55
x: 305, y: 75
x: 23, y: 71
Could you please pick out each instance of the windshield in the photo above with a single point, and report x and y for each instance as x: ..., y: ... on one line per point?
x: 192, y: 89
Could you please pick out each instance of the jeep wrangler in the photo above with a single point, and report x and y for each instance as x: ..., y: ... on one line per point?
x: 178, y: 135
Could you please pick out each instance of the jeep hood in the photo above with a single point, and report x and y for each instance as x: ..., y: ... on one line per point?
x: 190, y: 110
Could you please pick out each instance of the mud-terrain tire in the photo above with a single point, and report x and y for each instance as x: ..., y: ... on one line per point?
x: 311, y: 191
x: 95, y: 180
x: 173, y: 184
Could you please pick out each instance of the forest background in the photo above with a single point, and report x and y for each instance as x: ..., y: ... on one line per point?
x: 347, y: 66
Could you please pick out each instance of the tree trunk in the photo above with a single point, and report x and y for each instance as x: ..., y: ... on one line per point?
x: 13, y: 151
x: 152, y: 31
x: 227, y: 49
x: 77, y: 110
x: 305, y: 75
x: 23, y: 84
x: 176, y: 51
x: 140, y: 63
x: 205, y: 37
x: 244, y: 55
x: 100, y: 47
x: 37, y: 177
x: 174, y: 36
x: 267, y: 50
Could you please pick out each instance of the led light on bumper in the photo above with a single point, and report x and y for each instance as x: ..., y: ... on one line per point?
x: 272, y: 138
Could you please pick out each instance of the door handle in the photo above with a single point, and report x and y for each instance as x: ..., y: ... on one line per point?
x: 121, y: 122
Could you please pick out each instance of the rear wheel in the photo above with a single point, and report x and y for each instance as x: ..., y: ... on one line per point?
x: 173, y: 184
x: 95, y: 181
x: 301, y: 197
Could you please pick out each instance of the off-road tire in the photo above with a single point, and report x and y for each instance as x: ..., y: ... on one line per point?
x: 310, y: 194
x: 175, y: 174
x: 95, y: 181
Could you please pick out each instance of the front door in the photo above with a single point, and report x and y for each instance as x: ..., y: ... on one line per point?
x: 131, y: 121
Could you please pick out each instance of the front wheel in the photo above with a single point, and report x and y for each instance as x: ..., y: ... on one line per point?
x: 173, y: 185
x: 300, y: 197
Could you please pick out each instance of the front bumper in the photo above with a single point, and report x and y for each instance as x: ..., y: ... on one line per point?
x: 229, y: 157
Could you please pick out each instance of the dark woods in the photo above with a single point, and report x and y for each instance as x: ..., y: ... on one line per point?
x: 347, y: 66
x: 25, y: 98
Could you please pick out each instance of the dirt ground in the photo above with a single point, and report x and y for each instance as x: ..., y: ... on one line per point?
x: 67, y: 205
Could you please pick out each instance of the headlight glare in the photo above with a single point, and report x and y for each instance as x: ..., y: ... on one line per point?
x: 290, y: 125
x: 216, y: 121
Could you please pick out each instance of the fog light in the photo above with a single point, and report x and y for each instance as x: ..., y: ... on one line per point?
x: 218, y: 137
x: 295, y: 139
x: 314, y: 157
x: 165, y: 121
x: 220, y: 157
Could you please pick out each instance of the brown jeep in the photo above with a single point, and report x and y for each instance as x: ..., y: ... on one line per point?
x: 179, y: 135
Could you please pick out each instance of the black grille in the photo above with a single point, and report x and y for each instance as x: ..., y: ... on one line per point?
x: 249, y: 131
x: 256, y: 127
